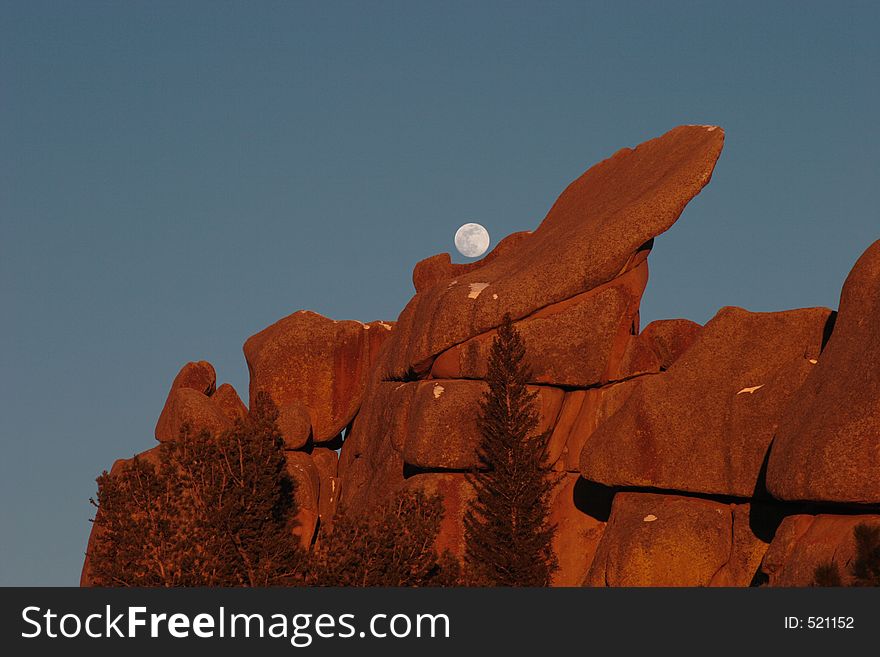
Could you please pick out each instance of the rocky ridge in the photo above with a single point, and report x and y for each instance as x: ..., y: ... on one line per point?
x: 735, y: 453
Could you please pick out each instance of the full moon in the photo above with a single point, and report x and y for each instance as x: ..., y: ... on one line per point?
x: 472, y: 240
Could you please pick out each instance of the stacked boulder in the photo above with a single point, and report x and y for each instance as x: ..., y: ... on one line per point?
x: 573, y: 288
x: 315, y: 370
x: 740, y: 452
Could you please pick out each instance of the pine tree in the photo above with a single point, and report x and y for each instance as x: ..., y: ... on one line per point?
x: 507, y: 532
x: 217, y: 511
x: 392, y: 545
x: 241, y: 502
x: 135, y: 540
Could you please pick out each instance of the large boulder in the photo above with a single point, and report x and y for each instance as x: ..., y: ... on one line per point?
x: 804, y: 542
x: 827, y: 447
x: 668, y: 540
x: 198, y: 376
x: 317, y: 362
x: 441, y: 427
x: 575, y: 342
x: 188, y: 407
x: 591, y: 235
x: 705, y: 424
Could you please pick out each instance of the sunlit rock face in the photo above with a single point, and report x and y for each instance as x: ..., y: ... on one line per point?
x: 737, y: 453
x: 827, y: 448
x: 591, y: 235
x: 704, y: 425
x: 319, y: 365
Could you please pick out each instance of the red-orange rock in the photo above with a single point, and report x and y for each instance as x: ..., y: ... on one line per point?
x: 638, y: 358
x: 582, y: 411
x: 327, y: 461
x: 441, y: 427
x: 295, y: 424
x: 578, y: 530
x: 440, y: 268
x: 188, y: 406
x: 197, y: 375
x: 591, y: 233
x: 227, y: 400
x: 670, y: 338
x: 668, y: 540
x: 370, y: 462
x: 577, y: 342
x: 827, y: 446
x: 804, y: 542
x: 705, y: 424
x: 302, y: 470
x: 456, y: 493
x: 321, y: 363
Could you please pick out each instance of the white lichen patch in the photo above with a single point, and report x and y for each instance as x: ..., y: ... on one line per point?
x: 452, y: 283
x: 813, y: 361
x: 494, y: 296
x: 751, y: 390
x: 649, y: 518
x: 475, y: 289
x: 438, y: 390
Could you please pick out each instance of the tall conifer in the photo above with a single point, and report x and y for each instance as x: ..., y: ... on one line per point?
x: 507, y: 531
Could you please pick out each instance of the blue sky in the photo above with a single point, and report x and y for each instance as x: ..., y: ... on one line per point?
x: 176, y: 176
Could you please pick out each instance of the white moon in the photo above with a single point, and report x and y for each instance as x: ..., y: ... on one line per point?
x: 472, y: 240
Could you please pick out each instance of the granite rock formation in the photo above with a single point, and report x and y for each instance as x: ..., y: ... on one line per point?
x: 740, y: 452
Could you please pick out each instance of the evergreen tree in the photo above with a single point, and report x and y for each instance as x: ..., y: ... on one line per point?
x: 507, y: 532
x: 393, y: 545
x: 218, y: 511
x: 135, y: 540
x: 241, y: 502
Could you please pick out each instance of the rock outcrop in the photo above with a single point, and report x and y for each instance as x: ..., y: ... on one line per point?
x: 573, y: 286
x: 804, y: 542
x: 321, y: 365
x: 737, y: 453
x: 827, y: 448
x: 705, y: 425
x: 196, y: 402
x: 186, y: 407
x: 590, y: 236
x: 669, y: 540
